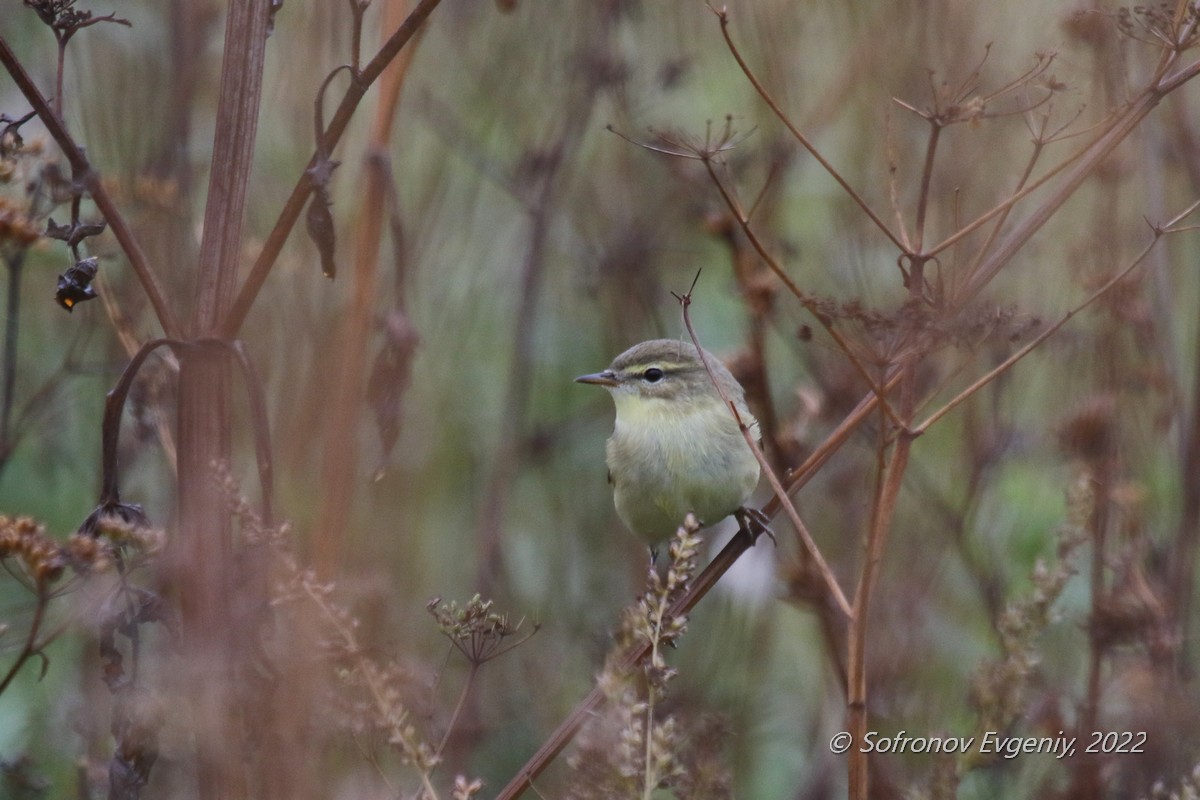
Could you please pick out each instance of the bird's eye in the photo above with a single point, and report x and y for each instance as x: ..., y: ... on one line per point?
x: 653, y: 375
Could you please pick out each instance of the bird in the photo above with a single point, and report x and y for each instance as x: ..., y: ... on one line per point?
x: 676, y: 447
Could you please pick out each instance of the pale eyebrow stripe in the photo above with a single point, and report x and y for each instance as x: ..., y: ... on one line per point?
x: 665, y: 366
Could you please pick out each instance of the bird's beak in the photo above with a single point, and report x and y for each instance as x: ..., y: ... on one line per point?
x: 606, y: 378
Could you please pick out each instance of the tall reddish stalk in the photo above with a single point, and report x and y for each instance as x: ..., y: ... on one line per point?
x: 203, y: 552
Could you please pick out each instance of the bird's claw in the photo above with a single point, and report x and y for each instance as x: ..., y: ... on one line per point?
x: 755, y: 523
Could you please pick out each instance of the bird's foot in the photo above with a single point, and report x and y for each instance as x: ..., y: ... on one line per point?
x: 755, y: 523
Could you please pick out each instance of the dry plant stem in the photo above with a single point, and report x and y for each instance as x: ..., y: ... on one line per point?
x: 202, y: 555
x: 723, y: 16
x: 649, y: 776
x: 83, y: 172
x: 381, y: 693
x: 1091, y: 157
x: 891, y: 478
x: 935, y: 134
x: 110, y: 429
x: 130, y: 345
x: 893, y: 189
x: 881, y: 522
x: 785, y: 502
x: 1159, y: 232
x: 570, y: 726
x: 1038, y: 147
x: 11, y: 331
x: 339, y: 467
x: 292, y: 209
x: 31, y: 647
x: 458, y: 707
x: 259, y: 423
x: 1086, y: 159
x: 743, y: 221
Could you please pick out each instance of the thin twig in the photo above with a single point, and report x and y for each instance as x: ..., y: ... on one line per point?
x: 566, y: 731
x: 935, y: 135
x: 29, y: 649
x: 275, y: 240
x: 1085, y: 162
x: 130, y: 344
x: 458, y: 707
x: 11, y: 331
x: 785, y: 502
x: 805, y: 300
x: 1159, y: 232
x: 723, y: 15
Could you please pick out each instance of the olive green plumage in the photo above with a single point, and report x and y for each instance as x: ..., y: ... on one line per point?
x: 675, y: 447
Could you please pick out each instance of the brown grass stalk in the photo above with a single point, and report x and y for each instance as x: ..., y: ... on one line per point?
x: 339, y: 469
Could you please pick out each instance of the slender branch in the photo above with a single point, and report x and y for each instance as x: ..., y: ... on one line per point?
x: 84, y: 173
x: 458, y: 707
x: 723, y: 16
x: 260, y: 424
x: 1088, y: 159
x: 11, y: 332
x: 1159, y: 232
x: 823, y: 319
x: 130, y: 344
x: 785, y: 502
x: 30, y: 646
x: 1038, y: 147
x: 935, y: 135
x: 566, y: 731
x: 110, y: 429
x: 856, y: 669
x: 304, y: 186
x: 893, y: 189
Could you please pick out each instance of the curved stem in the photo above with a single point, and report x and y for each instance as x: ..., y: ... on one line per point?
x: 114, y: 404
x: 723, y: 16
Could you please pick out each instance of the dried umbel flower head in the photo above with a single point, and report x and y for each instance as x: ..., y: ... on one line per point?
x: 39, y: 556
x: 475, y: 629
x: 1158, y: 24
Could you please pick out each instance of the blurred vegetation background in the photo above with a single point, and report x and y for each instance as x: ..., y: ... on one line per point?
x: 529, y: 244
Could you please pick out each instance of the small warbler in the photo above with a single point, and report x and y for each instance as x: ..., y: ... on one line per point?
x: 676, y: 447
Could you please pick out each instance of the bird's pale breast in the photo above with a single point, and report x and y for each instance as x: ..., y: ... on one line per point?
x: 662, y: 469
